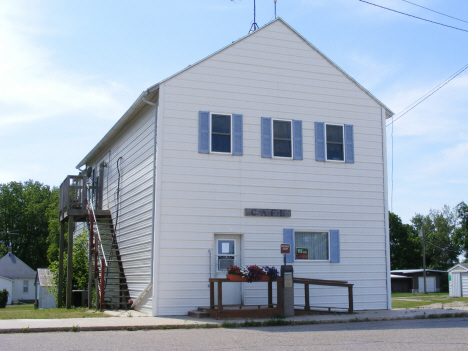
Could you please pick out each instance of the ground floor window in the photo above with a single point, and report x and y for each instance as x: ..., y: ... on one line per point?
x: 311, y: 246
x: 25, y: 286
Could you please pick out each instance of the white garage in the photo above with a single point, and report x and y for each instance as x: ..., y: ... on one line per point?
x: 458, y: 280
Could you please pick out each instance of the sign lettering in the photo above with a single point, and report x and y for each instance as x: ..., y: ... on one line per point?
x: 263, y: 212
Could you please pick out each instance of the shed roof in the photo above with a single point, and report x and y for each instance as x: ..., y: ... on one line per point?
x: 395, y: 276
x: 412, y: 271
x: 153, y: 90
x: 12, y: 267
x: 44, y: 276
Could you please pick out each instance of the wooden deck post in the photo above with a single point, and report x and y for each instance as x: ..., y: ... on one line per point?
x: 60, y: 277
x: 270, y: 294
x: 90, y: 266
x: 69, y: 262
x: 220, y: 296
x: 350, y: 298
x: 279, y: 293
x: 211, y: 295
x: 306, y: 292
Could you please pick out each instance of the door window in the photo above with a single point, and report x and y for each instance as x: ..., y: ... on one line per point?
x: 225, y: 254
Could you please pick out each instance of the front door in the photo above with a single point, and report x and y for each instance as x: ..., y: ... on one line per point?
x: 227, y: 253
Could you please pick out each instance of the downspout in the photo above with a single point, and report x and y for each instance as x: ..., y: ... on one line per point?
x: 148, y: 287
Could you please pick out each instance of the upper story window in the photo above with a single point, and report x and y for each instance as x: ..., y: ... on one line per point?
x: 281, y: 138
x: 282, y: 146
x: 334, y: 142
x: 220, y: 133
x: 335, y: 149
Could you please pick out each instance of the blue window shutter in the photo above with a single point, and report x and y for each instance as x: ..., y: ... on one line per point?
x: 237, y: 138
x: 349, y: 143
x: 288, y: 238
x: 297, y: 136
x: 319, y: 141
x: 204, y: 132
x: 334, y: 246
x: 266, y: 137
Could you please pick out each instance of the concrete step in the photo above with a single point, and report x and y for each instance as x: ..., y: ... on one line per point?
x: 199, y: 314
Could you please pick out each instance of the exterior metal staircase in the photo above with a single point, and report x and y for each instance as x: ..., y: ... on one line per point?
x: 111, y: 284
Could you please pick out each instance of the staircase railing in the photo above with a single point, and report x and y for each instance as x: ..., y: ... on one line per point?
x: 99, y: 254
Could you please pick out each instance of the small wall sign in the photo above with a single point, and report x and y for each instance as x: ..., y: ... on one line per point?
x: 263, y: 212
x: 285, y: 248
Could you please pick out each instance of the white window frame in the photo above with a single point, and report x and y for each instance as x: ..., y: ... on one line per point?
x: 273, y: 139
x: 211, y: 133
x: 312, y: 232
x: 326, y: 142
x: 219, y: 254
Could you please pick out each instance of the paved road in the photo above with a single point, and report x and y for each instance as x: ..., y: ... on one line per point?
x: 433, y: 334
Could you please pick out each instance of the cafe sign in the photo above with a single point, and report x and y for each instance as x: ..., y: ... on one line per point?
x: 263, y: 212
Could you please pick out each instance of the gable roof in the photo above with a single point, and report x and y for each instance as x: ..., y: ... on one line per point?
x: 464, y: 266
x: 153, y: 90
x: 12, y: 267
x: 44, y: 276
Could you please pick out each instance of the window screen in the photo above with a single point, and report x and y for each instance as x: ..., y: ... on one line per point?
x: 282, y: 138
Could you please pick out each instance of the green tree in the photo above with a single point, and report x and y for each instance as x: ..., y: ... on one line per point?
x: 442, y: 248
x: 405, y: 246
x: 461, y: 233
x: 23, y: 221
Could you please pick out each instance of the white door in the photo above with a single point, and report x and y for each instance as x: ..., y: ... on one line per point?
x: 227, y: 253
x: 430, y: 284
x: 456, y: 285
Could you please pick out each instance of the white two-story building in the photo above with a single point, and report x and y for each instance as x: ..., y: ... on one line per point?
x: 263, y: 142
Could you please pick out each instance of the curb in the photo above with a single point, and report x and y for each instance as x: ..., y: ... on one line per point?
x: 227, y: 324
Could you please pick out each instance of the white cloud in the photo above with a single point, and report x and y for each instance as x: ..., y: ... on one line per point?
x: 33, y: 87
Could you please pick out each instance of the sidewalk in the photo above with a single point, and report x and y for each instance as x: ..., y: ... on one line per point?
x: 136, y: 321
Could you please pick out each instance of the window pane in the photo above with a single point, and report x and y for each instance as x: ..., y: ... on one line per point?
x: 221, y: 124
x: 225, y: 247
x: 335, y: 152
x: 282, y: 148
x: 220, y: 143
x: 282, y: 130
x: 311, y: 246
x: 334, y: 134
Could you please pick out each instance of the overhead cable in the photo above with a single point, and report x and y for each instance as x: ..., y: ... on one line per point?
x: 440, y: 13
x: 407, y: 14
x: 427, y: 95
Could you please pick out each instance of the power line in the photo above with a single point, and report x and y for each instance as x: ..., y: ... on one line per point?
x: 407, y: 14
x: 427, y: 95
x: 440, y: 13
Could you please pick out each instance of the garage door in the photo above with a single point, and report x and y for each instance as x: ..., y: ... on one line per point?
x: 430, y: 284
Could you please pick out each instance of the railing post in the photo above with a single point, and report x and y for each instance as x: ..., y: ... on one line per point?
x: 102, y: 283
x: 307, y: 302
x: 350, y: 299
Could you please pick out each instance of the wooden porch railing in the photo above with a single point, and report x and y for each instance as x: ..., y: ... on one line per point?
x: 338, y: 283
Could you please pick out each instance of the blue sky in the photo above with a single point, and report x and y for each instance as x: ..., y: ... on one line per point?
x: 70, y: 69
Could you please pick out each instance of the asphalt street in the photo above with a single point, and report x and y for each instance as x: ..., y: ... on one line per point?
x: 428, y: 334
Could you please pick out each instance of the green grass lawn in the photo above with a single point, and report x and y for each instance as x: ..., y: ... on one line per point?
x: 408, y: 300
x: 28, y: 312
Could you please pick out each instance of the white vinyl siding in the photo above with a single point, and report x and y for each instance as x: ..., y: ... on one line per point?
x: 271, y: 73
x: 135, y: 147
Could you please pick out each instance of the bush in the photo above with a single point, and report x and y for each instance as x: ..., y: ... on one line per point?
x: 4, y: 298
